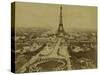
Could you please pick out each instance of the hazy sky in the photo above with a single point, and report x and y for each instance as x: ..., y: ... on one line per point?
x: 75, y: 18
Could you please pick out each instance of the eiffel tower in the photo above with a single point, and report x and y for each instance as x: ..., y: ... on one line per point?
x: 60, y: 31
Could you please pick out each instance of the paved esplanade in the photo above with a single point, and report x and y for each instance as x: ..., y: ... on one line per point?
x: 64, y: 54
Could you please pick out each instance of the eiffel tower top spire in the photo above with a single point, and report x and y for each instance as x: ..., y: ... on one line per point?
x: 60, y: 15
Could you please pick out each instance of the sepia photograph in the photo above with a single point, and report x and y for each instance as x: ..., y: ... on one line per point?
x: 53, y: 37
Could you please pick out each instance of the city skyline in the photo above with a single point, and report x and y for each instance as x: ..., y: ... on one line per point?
x: 75, y: 18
